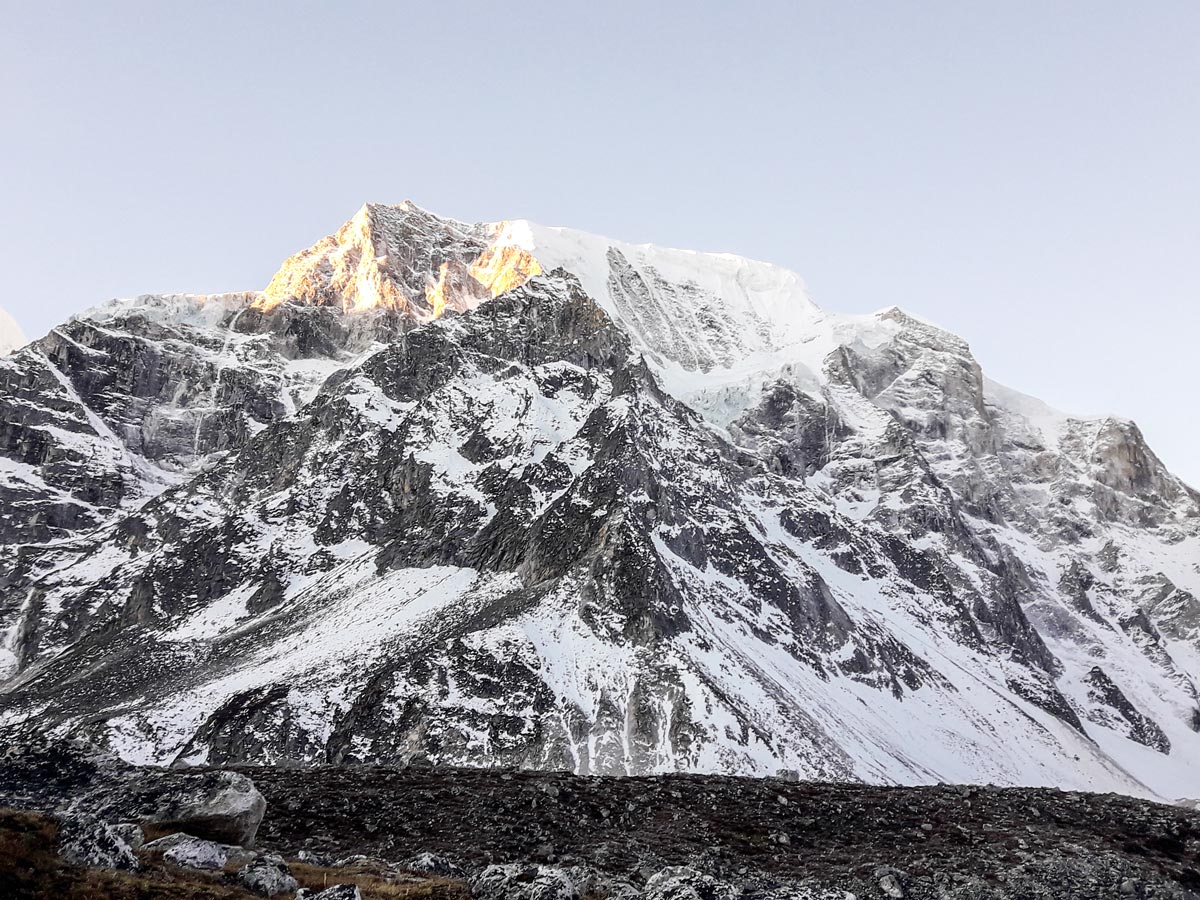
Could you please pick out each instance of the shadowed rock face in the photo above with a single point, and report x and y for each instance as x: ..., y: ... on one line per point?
x: 638, y: 511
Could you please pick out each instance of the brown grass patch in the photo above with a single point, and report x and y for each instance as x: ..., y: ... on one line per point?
x: 378, y: 884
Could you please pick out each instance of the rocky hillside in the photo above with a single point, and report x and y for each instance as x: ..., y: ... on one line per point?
x: 510, y: 495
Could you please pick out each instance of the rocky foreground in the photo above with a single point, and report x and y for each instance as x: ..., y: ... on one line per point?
x: 91, y: 826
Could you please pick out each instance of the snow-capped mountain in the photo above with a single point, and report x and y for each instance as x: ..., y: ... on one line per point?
x: 507, y: 494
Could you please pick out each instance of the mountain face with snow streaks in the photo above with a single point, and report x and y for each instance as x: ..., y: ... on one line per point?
x: 512, y: 495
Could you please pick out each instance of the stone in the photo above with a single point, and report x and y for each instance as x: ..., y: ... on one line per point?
x: 86, y: 841
x: 190, y: 852
x: 269, y: 876
x: 891, y: 886
x: 433, y: 864
x: 52, y: 776
x: 523, y: 882
x: 337, y: 892
x: 686, y: 883
x: 219, y: 806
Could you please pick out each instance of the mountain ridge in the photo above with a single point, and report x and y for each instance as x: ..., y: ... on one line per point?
x: 736, y: 512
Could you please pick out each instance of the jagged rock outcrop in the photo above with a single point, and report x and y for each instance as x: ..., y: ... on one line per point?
x: 512, y: 495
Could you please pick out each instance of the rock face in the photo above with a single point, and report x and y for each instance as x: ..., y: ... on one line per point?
x: 507, y: 495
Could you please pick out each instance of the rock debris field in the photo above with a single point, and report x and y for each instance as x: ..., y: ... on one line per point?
x: 960, y: 841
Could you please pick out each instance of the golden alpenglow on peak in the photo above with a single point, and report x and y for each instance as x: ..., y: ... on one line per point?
x: 402, y: 259
x: 501, y: 269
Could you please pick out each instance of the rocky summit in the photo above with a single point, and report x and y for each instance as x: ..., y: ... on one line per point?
x: 507, y: 495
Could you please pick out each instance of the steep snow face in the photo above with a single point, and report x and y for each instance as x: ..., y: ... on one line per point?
x: 11, y: 335
x: 507, y: 494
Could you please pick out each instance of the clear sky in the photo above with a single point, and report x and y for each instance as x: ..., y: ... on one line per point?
x: 1026, y: 174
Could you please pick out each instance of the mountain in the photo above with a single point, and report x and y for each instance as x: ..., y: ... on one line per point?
x: 514, y: 495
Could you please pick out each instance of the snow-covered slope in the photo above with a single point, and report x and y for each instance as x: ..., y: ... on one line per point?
x: 512, y: 494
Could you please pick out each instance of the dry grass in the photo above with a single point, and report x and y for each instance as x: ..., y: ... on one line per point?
x: 377, y: 885
x: 30, y: 869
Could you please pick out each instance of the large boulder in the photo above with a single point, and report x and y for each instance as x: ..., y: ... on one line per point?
x: 190, y: 852
x: 86, y: 841
x: 56, y: 776
x: 686, y: 883
x: 268, y: 875
x: 516, y: 881
x: 219, y: 806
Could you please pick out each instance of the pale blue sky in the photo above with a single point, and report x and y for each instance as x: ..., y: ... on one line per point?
x: 1026, y: 174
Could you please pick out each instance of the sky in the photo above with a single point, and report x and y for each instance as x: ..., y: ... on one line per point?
x: 1025, y: 174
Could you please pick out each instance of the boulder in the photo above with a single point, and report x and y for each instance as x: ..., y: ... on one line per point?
x: 190, y: 852
x: 57, y: 776
x: 516, y: 881
x: 432, y: 864
x: 233, y: 853
x: 268, y: 875
x: 219, y: 806
x: 86, y: 841
x: 337, y: 892
x: 590, y: 881
x: 686, y: 883
x: 891, y: 886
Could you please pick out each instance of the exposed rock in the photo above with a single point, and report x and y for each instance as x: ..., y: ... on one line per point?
x: 336, y: 892
x: 268, y: 875
x: 86, y: 841
x: 51, y: 775
x: 222, y: 806
x: 685, y: 883
x: 891, y: 886
x: 190, y: 852
x: 131, y: 833
x: 1138, y: 726
x: 610, y: 835
x: 433, y: 864
x: 523, y: 882
x: 730, y: 514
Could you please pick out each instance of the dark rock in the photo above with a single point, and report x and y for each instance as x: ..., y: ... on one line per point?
x: 523, y: 882
x: 190, y: 852
x: 686, y: 883
x: 336, y: 892
x: 48, y: 775
x: 86, y: 841
x: 268, y: 875
x: 433, y: 864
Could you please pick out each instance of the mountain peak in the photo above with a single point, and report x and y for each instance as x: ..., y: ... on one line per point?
x: 403, y: 259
